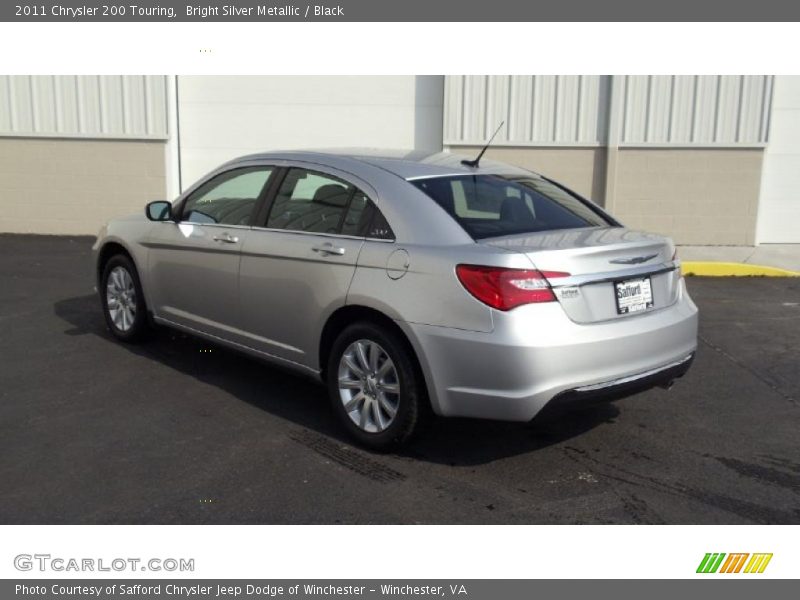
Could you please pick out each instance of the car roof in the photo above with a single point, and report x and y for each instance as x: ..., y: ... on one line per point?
x: 407, y: 164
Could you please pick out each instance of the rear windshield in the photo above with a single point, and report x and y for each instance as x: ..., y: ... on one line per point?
x: 492, y: 205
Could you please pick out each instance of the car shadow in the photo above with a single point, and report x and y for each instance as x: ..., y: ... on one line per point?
x: 303, y: 401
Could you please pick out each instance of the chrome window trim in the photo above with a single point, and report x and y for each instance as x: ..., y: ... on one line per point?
x: 330, y: 235
x: 277, y: 230
x: 217, y: 225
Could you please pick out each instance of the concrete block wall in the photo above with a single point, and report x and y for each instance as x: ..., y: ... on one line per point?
x: 696, y: 196
x: 73, y: 186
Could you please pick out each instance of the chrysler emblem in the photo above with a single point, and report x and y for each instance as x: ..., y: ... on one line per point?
x: 633, y: 260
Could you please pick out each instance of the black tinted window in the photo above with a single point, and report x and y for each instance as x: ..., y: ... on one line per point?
x: 228, y: 198
x: 379, y: 227
x: 363, y: 219
x: 491, y: 205
x: 311, y: 202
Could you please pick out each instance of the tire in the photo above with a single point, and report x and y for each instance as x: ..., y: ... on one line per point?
x: 369, y: 420
x: 120, y: 286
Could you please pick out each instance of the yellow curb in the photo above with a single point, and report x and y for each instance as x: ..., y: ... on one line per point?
x: 728, y: 269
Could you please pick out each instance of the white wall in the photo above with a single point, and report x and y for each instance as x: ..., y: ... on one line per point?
x: 779, y: 206
x: 224, y: 117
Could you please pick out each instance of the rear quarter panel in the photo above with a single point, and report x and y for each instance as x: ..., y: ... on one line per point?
x: 428, y: 291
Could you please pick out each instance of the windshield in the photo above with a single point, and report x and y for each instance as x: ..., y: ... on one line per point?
x: 494, y: 205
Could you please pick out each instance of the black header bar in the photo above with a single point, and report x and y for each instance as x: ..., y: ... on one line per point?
x: 405, y: 10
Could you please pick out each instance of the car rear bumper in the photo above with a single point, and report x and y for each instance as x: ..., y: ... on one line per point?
x: 616, y: 389
x: 537, y: 356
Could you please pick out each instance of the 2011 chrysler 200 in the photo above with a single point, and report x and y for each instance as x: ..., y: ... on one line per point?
x: 406, y: 281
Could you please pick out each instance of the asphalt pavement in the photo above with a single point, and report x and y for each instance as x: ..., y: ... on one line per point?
x: 177, y: 430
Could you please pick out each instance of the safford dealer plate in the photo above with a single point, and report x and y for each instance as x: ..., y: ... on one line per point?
x: 633, y: 295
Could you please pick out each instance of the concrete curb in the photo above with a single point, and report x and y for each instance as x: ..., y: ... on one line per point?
x: 731, y: 269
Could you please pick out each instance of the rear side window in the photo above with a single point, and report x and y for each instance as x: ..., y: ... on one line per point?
x: 319, y: 203
x: 311, y: 202
x: 492, y: 205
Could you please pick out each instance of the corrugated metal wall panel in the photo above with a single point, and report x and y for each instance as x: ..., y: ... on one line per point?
x: 541, y: 109
x: 659, y: 109
x: 635, y: 106
x: 568, y: 110
x: 754, y: 90
x: 695, y: 110
x: 67, y: 99
x: 473, y: 126
x: 497, y: 99
x: 520, y: 117
x: 682, y: 108
x: 542, y: 105
x: 115, y: 106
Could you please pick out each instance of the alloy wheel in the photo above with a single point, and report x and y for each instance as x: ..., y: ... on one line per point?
x: 121, y: 298
x: 369, y: 386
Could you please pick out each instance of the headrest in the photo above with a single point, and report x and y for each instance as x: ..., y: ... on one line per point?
x: 330, y: 194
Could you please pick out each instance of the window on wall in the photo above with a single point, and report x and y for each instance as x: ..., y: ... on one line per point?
x: 227, y: 199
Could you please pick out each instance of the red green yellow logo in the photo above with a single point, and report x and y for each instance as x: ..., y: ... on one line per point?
x: 741, y: 562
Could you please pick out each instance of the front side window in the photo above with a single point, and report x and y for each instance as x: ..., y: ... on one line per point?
x: 227, y: 199
x: 493, y: 205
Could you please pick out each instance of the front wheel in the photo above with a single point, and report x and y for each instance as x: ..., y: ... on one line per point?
x: 123, y: 301
x: 374, y: 387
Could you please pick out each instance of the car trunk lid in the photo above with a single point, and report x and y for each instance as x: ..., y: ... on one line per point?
x: 597, y: 260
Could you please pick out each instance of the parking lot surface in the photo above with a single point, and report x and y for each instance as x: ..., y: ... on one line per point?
x: 177, y: 430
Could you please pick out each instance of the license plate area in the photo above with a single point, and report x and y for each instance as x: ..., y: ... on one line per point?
x: 633, y: 295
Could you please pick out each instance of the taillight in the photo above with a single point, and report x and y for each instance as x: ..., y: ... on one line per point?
x: 505, y: 289
x: 676, y: 261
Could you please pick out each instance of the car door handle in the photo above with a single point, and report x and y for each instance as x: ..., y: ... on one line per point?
x: 328, y: 248
x: 226, y: 238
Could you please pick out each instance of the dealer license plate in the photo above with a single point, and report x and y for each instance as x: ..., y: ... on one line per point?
x: 633, y: 295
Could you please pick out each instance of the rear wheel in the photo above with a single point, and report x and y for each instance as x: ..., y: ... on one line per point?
x: 374, y: 387
x: 123, y: 301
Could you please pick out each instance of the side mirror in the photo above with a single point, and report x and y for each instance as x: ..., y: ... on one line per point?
x: 159, y: 210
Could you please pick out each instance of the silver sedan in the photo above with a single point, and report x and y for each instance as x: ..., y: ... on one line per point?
x: 409, y: 283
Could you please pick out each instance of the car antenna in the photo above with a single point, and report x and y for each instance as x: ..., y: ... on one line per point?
x: 475, y: 163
